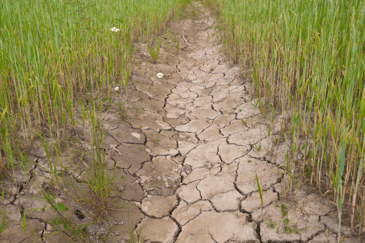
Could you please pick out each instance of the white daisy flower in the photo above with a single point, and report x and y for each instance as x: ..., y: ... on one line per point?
x: 160, y: 75
x: 116, y: 88
x: 114, y: 29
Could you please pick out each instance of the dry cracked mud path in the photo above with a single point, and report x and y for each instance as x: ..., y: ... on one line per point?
x: 188, y: 162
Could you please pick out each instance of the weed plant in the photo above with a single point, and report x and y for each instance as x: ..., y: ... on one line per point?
x: 307, y: 58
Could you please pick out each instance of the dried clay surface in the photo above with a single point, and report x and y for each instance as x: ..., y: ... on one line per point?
x: 188, y: 162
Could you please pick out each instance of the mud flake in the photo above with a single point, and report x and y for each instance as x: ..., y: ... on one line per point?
x: 150, y: 120
x: 150, y: 105
x: 314, y: 204
x: 204, y: 152
x: 126, y: 209
x: 203, y: 102
x: 209, y: 134
x: 228, y: 104
x: 214, y: 184
x: 326, y: 236
x: 208, y: 81
x: 193, y: 126
x: 226, y: 226
x: 132, y: 192
x: 175, y: 113
x: 221, y: 68
x: 188, y: 95
x: 278, y: 155
x: 187, y: 137
x: 122, y: 178
x: 298, y: 227
x: 157, y: 206
x: 224, y: 120
x: 161, y: 186
x: 220, y: 92
x: 126, y: 134
x: 254, y: 201
x: 165, y: 69
x: 213, y: 50
x: 332, y: 223
x: 250, y: 108
x: 176, y: 100
x: 230, y: 168
x: 205, y: 113
x: 160, y: 145
x: 226, y: 201
x: 185, y: 212
x: 159, y: 92
x: 197, y: 55
x: 189, y: 192
x: 195, y: 88
x: 199, y: 73
x: 230, y: 152
x: 160, y: 166
x: 15, y: 232
x: 158, y: 230
x: 199, y: 174
x: 132, y: 156
x: 203, y: 92
x: 185, y: 147
x: 248, y: 167
x: 169, y: 134
x: 246, y: 136
x: 208, y: 66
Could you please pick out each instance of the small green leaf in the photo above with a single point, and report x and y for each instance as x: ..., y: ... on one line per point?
x: 51, y: 197
x: 288, y: 230
x: 61, y: 207
x: 283, y: 207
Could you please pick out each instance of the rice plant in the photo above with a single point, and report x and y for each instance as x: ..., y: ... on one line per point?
x: 307, y: 58
x: 261, y: 196
x: 56, y: 59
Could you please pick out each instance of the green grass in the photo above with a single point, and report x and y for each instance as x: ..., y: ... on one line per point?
x: 307, y: 58
x: 56, y: 59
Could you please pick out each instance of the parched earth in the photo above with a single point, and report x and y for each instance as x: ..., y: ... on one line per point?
x: 188, y: 155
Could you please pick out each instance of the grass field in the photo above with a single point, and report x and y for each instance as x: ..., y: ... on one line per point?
x: 307, y: 57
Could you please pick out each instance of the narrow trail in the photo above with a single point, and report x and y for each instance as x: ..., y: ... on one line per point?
x: 191, y: 154
x: 188, y: 155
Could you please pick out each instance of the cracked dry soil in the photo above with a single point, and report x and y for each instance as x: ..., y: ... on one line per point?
x: 186, y: 158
